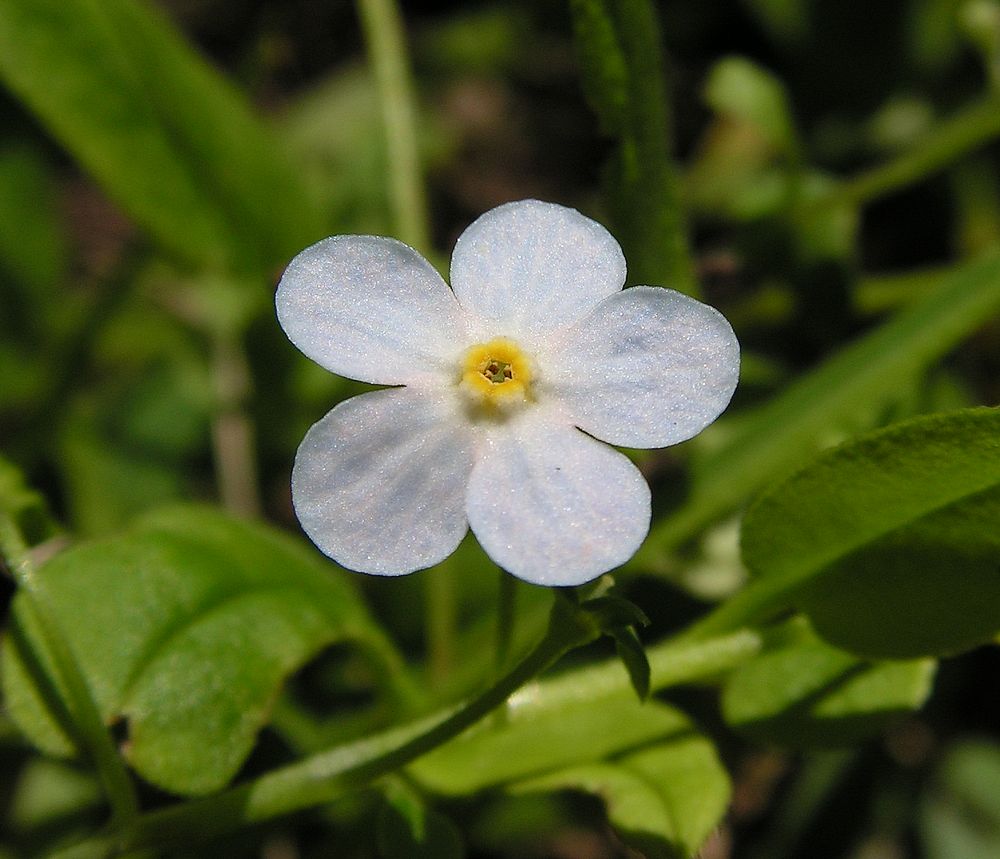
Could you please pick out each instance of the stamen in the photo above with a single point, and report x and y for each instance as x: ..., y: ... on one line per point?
x: 496, y: 375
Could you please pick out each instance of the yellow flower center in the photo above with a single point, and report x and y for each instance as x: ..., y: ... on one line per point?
x: 496, y: 375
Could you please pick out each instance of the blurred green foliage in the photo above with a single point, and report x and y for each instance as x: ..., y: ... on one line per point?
x: 825, y: 172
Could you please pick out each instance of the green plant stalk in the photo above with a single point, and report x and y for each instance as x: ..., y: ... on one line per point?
x: 652, y: 129
x: 623, y: 75
x: 383, y: 30
x: 233, y: 435
x: 967, y: 130
x: 506, y: 610
x: 89, y: 727
x: 328, y: 775
x: 439, y: 621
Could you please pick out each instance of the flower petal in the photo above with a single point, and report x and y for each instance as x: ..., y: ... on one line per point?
x: 553, y: 506
x: 529, y: 267
x: 370, y: 308
x: 649, y: 367
x: 379, y: 484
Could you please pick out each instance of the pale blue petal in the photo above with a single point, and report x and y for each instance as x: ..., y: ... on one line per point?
x: 529, y: 267
x: 553, y: 506
x: 649, y: 367
x: 379, y: 484
x: 373, y: 309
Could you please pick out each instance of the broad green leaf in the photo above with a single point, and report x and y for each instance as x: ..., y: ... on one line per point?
x: 526, y: 740
x: 891, y: 542
x: 960, y: 815
x: 166, y: 136
x: 845, y: 391
x: 665, y: 800
x: 806, y: 693
x: 184, y: 628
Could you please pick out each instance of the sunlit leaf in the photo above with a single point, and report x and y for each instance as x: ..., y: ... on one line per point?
x: 806, y: 693
x: 665, y: 800
x: 524, y: 741
x: 184, y: 628
x: 48, y: 791
x: 892, y: 540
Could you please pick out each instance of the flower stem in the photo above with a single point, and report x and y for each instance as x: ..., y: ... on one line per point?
x: 383, y: 31
x: 232, y: 430
x: 384, y: 35
x: 439, y: 621
x: 506, y: 609
x: 623, y: 74
x: 87, y: 725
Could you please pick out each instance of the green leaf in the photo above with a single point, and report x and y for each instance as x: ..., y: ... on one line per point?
x: 633, y: 656
x: 47, y: 792
x: 25, y: 506
x: 842, y: 393
x: 805, y: 693
x: 167, y: 137
x: 407, y: 827
x: 185, y: 629
x: 891, y: 542
x: 960, y: 816
x: 664, y: 800
x: 525, y: 740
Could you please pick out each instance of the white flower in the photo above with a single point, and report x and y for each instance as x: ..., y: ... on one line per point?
x: 534, y: 342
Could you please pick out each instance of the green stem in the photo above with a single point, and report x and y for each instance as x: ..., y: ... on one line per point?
x: 969, y: 129
x: 505, y: 617
x: 652, y: 129
x: 233, y: 433
x: 87, y: 723
x: 623, y: 73
x: 439, y: 621
x: 383, y: 30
